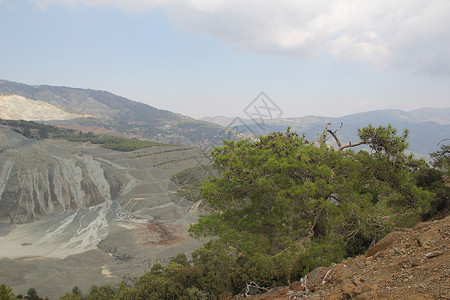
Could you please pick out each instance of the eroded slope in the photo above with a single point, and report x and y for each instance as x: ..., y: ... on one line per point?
x: 88, y: 214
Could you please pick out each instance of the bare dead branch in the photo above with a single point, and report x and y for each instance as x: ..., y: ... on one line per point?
x: 253, y: 284
x: 352, y: 235
x: 326, y: 275
x: 334, y: 133
x: 444, y: 140
x: 349, y: 145
x: 335, y: 137
x: 323, y: 138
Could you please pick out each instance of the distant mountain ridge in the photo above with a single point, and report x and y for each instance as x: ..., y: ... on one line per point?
x: 427, y: 126
x: 104, y: 110
x: 118, y: 113
x: 421, y: 115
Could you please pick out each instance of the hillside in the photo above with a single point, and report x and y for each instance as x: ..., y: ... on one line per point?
x: 427, y: 126
x: 409, y: 264
x: 90, y: 109
x: 89, y: 215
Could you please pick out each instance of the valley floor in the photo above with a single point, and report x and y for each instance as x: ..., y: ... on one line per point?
x: 145, y: 222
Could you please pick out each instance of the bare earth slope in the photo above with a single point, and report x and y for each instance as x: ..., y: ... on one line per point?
x: 410, y: 264
x: 11, y: 139
x: 76, y: 214
x: 14, y: 107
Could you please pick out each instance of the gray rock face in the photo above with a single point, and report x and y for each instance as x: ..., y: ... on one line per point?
x: 49, y: 177
x: 35, y: 184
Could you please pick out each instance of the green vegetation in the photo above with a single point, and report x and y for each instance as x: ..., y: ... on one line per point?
x: 441, y: 159
x: 6, y: 292
x: 190, y: 180
x: 284, y: 206
x: 76, y: 294
x: 436, y: 180
x: 32, y: 294
x: 112, y: 142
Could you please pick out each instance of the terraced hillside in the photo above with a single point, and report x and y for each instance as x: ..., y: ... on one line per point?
x: 76, y: 213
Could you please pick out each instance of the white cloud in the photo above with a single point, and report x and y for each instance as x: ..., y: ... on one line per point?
x: 411, y: 35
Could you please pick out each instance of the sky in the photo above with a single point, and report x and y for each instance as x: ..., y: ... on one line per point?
x: 213, y: 57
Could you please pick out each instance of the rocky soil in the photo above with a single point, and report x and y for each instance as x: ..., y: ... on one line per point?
x: 408, y: 264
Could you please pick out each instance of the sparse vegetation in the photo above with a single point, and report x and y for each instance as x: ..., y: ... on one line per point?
x: 112, y: 142
x: 36, y: 130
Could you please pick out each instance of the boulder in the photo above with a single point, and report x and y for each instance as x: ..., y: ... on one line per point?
x: 315, y: 277
x: 383, y: 244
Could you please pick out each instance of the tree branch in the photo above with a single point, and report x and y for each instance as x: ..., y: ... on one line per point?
x: 323, y: 138
x: 306, y: 238
x: 349, y: 145
x: 333, y: 133
x: 444, y: 140
x: 253, y: 284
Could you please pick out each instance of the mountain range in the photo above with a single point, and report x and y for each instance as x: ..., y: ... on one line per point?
x: 92, y: 109
x: 104, y: 112
x: 428, y: 127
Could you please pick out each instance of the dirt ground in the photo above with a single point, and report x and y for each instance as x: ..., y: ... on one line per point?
x: 128, y: 252
x: 410, y: 264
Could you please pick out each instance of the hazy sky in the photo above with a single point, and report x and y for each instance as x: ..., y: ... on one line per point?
x: 213, y: 57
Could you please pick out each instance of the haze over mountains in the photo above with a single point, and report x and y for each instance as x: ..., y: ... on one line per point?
x: 107, y: 113
x: 427, y: 126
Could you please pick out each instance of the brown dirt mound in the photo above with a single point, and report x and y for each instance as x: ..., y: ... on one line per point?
x: 158, y: 233
x: 409, y: 264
